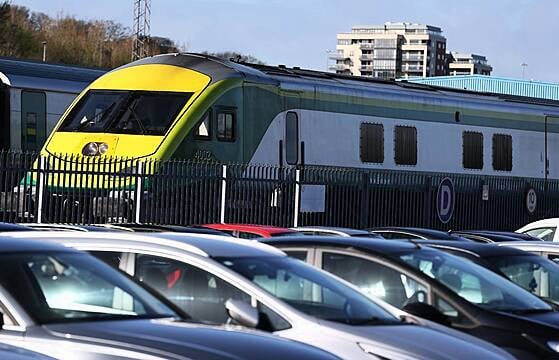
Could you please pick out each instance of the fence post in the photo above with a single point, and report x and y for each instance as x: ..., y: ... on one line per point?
x: 223, y: 193
x: 297, y: 193
x: 40, y: 188
x: 138, y: 197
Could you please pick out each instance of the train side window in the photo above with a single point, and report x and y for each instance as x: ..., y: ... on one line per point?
x: 226, y: 126
x: 405, y: 145
x: 291, y: 138
x: 502, y: 152
x: 372, y: 143
x: 472, y: 150
x: 203, y: 132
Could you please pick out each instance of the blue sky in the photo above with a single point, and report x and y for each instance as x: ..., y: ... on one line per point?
x: 298, y: 32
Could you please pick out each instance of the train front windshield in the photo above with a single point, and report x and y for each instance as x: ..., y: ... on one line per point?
x: 125, y: 112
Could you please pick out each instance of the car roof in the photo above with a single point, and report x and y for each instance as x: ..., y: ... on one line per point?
x: 361, y: 243
x: 199, y: 244
x: 543, y: 222
x: 497, y: 236
x: 149, y: 228
x: 9, y: 243
x: 13, y: 227
x: 474, y: 248
x: 349, y: 231
x: 262, y: 230
x: 532, y: 245
x: 430, y: 233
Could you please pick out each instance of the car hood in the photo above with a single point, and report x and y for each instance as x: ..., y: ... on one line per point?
x: 418, y: 342
x: 178, y: 340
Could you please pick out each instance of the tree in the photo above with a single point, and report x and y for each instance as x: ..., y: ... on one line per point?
x: 228, y: 55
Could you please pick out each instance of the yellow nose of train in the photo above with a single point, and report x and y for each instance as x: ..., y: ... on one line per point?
x: 147, y: 78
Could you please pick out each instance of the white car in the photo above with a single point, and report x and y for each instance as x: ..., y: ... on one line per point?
x: 218, y: 279
x: 545, y: 229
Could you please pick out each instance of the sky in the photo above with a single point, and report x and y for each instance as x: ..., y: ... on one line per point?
x: 300, y: 32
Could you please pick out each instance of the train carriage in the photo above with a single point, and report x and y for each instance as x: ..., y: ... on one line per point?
x: 194, y: 106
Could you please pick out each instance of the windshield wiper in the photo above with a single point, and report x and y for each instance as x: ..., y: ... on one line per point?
x: 366, y: 321
x: 528, y: 311
x: 93, y: 120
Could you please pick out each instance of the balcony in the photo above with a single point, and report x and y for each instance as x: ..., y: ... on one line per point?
x: 367, y: 57
x: 367, y: 46
x: 413, y: 58
x: 412, y: 69
x: 338, y: 56
x: 366, y: 68
x: 339, y: 67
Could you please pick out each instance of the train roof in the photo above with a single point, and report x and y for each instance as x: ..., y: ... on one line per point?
x: 299, y: 79
x: 30, y: 74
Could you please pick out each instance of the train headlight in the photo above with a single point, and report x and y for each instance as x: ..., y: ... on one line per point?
x: 103, y: 148
x: 90, y: 149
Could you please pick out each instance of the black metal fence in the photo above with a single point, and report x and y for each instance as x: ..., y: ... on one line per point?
x: 85, y: 190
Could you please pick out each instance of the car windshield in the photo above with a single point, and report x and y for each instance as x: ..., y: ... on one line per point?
x: 534, y: 273
x: 472, y: 282
x: 309, y: 290
x: 65, y: 287
x: 125, y: 112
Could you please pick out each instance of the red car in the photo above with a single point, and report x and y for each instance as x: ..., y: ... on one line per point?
x: 248, y: 231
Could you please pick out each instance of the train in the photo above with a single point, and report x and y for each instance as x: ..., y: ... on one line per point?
x: 33, y: 97
x: 193, y: 106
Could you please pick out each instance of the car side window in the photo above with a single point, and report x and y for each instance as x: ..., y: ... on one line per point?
x: 453, y: 314
x: 201, y: 294
x: 544, y: 233
x: 375, y: 280
x: 247, y: 235
x: 297, y: 254
x: 109, y: 257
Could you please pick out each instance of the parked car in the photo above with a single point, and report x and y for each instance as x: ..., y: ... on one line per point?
x: 534, y: 273
x: 62, y: 227
x: 8, y: 352
x: 545, y: 229
x: 151, y: 228
x: 249, y: 231
x: 333, y: 231
x: 68, y: 305
x: 216, y: 279
x: 549, y: 250
x: 414, y: 233
x: 438, y: 286
x: 13, y: 227
x: 485, y: 236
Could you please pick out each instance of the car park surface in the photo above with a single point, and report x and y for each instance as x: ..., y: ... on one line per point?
x: 471, y: 298
x: 67, y: 304
x: 212, y: 277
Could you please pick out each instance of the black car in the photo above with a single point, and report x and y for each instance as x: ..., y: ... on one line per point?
x: 534, y: 273
x: 485, y: 236
x: 5, y: 227
x: 412, y: 233
x: 439, y: 286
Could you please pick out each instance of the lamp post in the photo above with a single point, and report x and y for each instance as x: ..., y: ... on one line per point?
x: 44, y: 51
x: 524, y: 65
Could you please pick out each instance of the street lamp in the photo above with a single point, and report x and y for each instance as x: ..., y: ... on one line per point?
x: 524, y: 65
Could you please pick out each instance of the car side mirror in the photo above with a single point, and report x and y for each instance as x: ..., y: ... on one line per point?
x: 428, y: 312
x: 242, y: 313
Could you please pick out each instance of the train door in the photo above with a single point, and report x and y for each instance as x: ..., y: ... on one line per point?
x: 33, y: 120
x: 293, y: 147
x: 551, y: 127
x: 4, y: 116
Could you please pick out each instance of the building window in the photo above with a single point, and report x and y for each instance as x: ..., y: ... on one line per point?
x: 502, y: 152
x: 472, y: 150
x: 291, y: 138
x: 203, y: 132
x: 372, y: 143
x: 226, y: 126
x: 405, y: 145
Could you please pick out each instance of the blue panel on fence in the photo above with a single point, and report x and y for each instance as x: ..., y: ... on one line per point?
x: 445, y: 200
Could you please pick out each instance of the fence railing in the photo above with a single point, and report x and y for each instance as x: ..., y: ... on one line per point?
x: 85, y: 190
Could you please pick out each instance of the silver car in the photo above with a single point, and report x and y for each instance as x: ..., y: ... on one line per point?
x: 67, y: 304
x: 219, y: 280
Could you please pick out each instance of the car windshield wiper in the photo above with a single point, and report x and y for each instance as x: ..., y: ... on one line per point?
x: 527, y: 311
x: 366, y: 321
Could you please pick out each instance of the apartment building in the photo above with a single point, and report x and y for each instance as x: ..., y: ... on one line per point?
x: 468, y: 64
x: 392, y: 50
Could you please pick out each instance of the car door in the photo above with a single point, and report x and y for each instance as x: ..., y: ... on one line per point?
x: 374, y: 277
